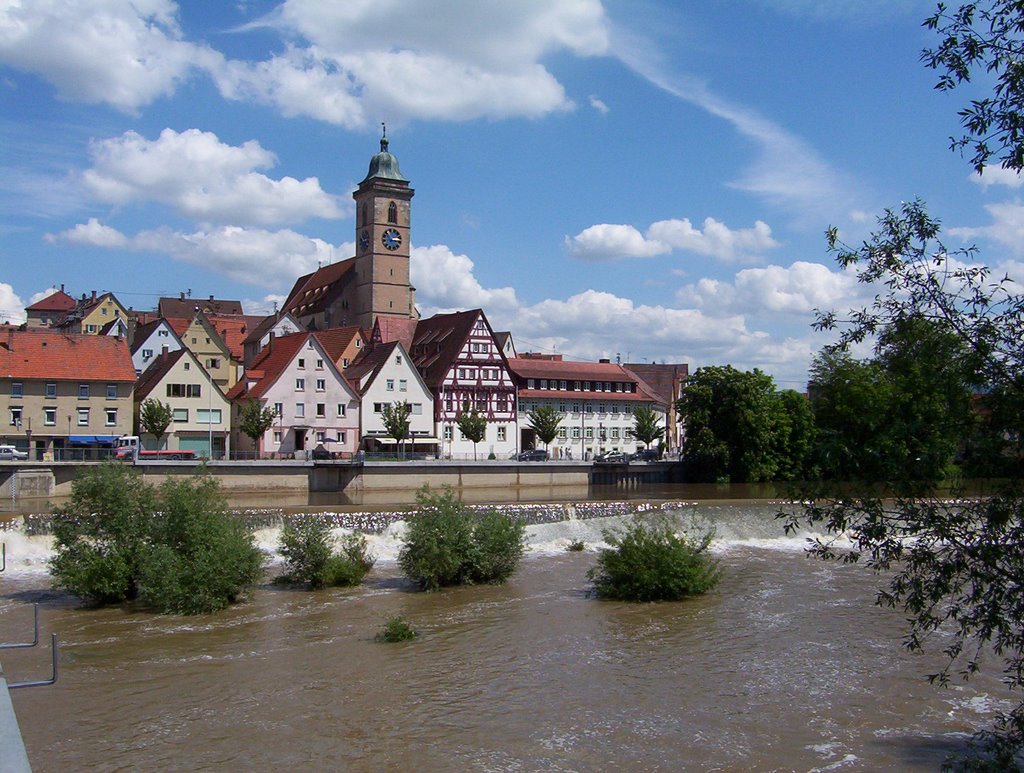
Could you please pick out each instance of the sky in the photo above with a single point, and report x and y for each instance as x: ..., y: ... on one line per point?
x: 648, y: 180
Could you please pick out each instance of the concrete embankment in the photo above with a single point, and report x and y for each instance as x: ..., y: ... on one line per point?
x: 366, y: 482
x: 13, y: 758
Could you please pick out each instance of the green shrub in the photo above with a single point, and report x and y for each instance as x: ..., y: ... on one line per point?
x: 307, y: 547
x: 395, y: 629
x: 576, y: 546
x: 497, y: 547
x: 650, y: 562
x: 446, y: 544
x: 177, y: 550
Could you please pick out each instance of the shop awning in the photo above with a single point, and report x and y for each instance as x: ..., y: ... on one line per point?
x: 93, y: 440
x: 390, y: 441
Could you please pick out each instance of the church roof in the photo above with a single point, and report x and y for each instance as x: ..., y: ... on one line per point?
x: 384, y: 165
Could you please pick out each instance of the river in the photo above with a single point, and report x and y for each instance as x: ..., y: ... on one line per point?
x: 786, y: 665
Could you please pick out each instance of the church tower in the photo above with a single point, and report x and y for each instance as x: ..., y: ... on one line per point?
x: 382, y: 243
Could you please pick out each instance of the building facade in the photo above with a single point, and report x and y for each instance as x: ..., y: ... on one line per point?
x: 595, y: 400
x: 65, y: 396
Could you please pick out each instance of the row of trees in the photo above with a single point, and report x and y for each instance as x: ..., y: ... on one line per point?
x: 919, y: 408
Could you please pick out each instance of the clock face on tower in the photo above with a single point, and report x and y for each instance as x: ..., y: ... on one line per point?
x: 391, y: 239
x: 364, y: 240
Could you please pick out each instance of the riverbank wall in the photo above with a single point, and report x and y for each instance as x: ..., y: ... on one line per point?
x: 367, y: 481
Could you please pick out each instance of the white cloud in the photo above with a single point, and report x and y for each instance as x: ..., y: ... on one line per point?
x: 126, y: 53
x: 798, y: 290
x: 716, y: 240
x: 612, y: 242
x: 599, y: 105
x: 235, y: 252
x: 785, y: 171
x: 486, y: 65
x: 12, y: 309
x: 1007, y: 227
x: 608, y: 241
x: 268, y: 304
x: 204, y: 178
x: 997, y: 175
x: 444, y: 281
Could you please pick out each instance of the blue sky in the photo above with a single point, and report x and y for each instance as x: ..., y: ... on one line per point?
x: 638, y: 178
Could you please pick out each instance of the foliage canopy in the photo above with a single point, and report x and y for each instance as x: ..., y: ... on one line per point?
x: 544, y: 420
x: 155, y: 417
x: 176, y: 549
x: 649, y: 561
x: 254, y: 420
x: 646, y: 427
x: 446, y: 544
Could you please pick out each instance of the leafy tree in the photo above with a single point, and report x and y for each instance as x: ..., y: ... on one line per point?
x: 307, y: 547
x: 650, y: 562
x: 446, y: 544
x: 254, y: 421
x: 984, y: 38
x: 155, y: 417
x: 99, y: 536
x: 953, y: 561
x: 793, y: 436
x: 199, y: 558
x: 396, y: 420
x: 176, y: 550
x: 731, y: 422
x: 544, y: 421
x: 645, y: 425
x: 473, y: 425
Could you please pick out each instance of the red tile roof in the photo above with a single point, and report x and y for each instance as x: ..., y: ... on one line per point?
x: 157, y: 369
x: 187, y: 307
x: 438, y: 342
x: 561, y: 370
x: 270, y: 363
x: 312, y: 293
x: 233, y: 330
x: 336, y: 340
x: 388, y: 329
x: 57, y: 301
x: 49, y: 354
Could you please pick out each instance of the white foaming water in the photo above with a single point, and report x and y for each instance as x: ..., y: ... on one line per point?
x: 734, y: 526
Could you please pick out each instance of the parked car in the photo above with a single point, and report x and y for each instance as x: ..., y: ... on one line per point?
x: 611, y: 457
x: 10, y: 453
x: 646, y: 455
x: 533, y: 455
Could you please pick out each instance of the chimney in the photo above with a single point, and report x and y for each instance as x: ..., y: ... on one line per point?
x: 94, y: 295
x: 164, y: 352
x: 181, y: 296
x: 62, y: 287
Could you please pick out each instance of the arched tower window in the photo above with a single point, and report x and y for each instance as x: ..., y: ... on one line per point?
x: 365, y: 219
x: 392, y: 212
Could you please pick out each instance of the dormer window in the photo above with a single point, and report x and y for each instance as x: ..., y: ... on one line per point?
x: 393, y: 213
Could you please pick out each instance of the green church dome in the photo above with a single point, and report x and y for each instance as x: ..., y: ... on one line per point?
x: 384, y: 165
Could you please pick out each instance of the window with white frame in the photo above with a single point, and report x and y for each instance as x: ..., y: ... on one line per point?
x: 83, y: 417
x: 575, y: 433
x: 447, y: 431
x: 321, y: 410
x: 562, y: 433
x: 180, y: 415
x: 615, y: 433
x: 208, y: 416
x: 17, y: 389
x: 111, y: 417
x: 278, y: 409
x: 15, y: 415
x: 342, y: 436
x: 403, y: 385
x: 51, y: 389
x: 341, y: 409
x: 111, y: 391
x: 589, y: 433
x: 390, y: 385
x: 321, y: 384
x: 319, y: 364
x: 147, y: 354
x: 302, y: 362
x: 416, y: 409
x: 50, y: 417
x: 300, y: 385
x: 502, y: 433
x: 277, y: 436
x: 83, y: 391
x: 300, y: 410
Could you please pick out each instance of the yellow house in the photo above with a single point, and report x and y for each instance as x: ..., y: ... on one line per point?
x: 96, y: 315
x: 202, y: 339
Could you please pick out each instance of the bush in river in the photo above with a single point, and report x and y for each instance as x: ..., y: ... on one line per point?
x: 307, y: 547
x: 445, y: 544
x: 176, y: 549
x: 648, y: 561
x: 395, y: 629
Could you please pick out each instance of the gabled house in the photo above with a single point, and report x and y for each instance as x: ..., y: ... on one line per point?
x: 49, y: 310
x: 464, y: 368
x: 62, y: 395
x: 342, y: 344
x: 202, y: 413
x: 271, y: 326
x: 186, y: 307
x: 200, y: 336
x: 384, y: 376
x: 151, y: 340
x: 315, y: 405
x: 92, y: 314
x: 596, y: 402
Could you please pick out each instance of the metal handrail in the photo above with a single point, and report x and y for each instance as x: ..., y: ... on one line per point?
x: 53, y: 670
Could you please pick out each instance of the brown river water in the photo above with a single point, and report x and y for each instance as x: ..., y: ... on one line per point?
x: 786, y: 665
